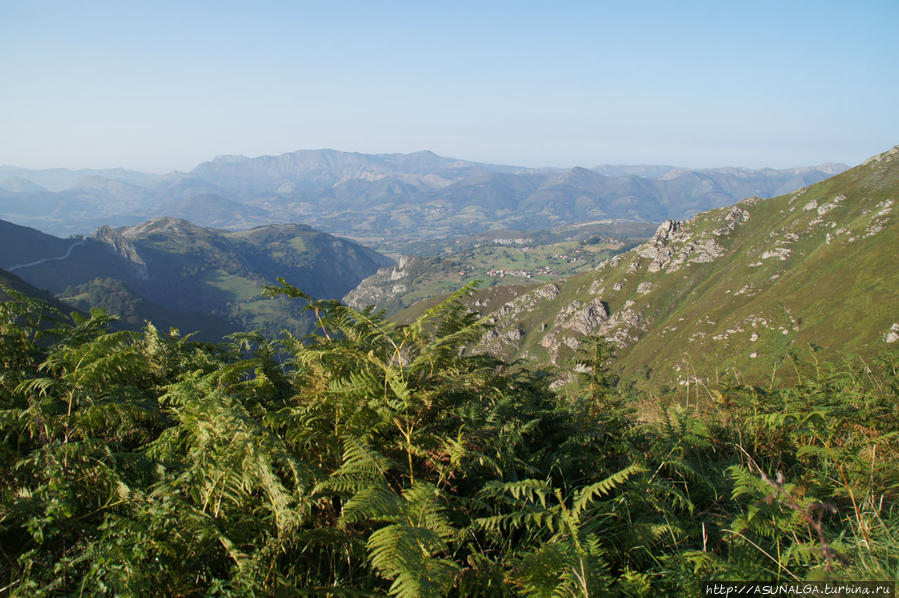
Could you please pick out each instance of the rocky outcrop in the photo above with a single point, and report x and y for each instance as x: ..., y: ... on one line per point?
x: 658, y: 249
x: 892, y: 334
x: 575, y: 320
x: 123, y: 247
x: 506, y: 334
x: 382, y: 285
x: 621, y: 328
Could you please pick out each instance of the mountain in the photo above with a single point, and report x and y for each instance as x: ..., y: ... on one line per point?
x: 732, y: 290
x: 59, y: 179
x: 641, y: 170
x: 18, y: 184
x: 328, y: 167
x: 390, y: 200
x: 209, y: 209
x: 194, y: 278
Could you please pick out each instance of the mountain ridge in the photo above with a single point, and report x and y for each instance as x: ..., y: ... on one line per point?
x: 390, y: 200
x: 192, y: 277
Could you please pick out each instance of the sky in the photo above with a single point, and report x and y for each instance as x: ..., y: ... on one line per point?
x: 161, y: 86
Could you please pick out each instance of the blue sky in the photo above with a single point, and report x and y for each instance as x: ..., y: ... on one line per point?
x: 158, y: 86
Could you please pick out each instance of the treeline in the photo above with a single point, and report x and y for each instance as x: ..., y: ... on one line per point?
x: 379, y: 459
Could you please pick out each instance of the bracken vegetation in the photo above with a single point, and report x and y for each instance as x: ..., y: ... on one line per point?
x: 378, y: 459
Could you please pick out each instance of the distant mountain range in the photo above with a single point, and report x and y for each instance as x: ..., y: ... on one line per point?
x: 389, y: 200
x: 181, y: 275
x: 734, y: 290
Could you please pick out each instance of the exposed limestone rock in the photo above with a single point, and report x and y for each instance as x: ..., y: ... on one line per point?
x: 576, y: 319
x: 584, y: 319
x: 377, y: 288
x: 611, y: 262
x: 122, y: 246
x: 621, y: 325
x: 892, y: 334
x: 657, y: 249
x: 507, y: 335
x: 782, y: 253
x: 887, y: 156
x: 735, y: 217
x: 702, y: 252
x: 831, y: 205
x: 563, y: 379
x: 572, y: 343
x: 672, y: 247
x: 879, y: 222
x: 644, y: 288
x: 527, y: 301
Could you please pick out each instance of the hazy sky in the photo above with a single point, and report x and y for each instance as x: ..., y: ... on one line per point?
x: 159, y: 86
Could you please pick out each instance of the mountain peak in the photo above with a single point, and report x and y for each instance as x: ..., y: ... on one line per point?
x: 229, y: 159
x: 163, y: 225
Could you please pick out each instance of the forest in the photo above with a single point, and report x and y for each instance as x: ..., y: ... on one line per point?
x: 373, y: 458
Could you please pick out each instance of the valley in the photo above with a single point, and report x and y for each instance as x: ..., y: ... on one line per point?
x: 495, y: 258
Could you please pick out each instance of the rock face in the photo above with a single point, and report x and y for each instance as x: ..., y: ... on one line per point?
x: 575, y: 320
x: 385, y: 283
x: 123, y: 247
x: 506, y: 335
x: 656, y: 250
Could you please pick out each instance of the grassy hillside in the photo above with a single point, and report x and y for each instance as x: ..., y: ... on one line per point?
x: 732, y: 290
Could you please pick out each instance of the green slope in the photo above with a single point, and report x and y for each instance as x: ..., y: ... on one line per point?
x: 732, y: 290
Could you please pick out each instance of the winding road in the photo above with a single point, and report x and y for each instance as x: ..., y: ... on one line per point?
x: 48, y: 259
